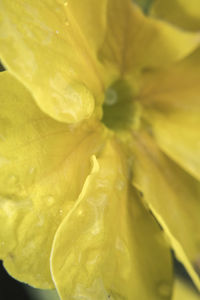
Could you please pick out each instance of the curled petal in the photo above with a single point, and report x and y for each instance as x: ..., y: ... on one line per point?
x: 109, y: 246
x: 39, y: 159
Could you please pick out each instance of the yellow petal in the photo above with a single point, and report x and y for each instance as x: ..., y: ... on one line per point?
x: 173, y: 109
x: 54, y: 47
x: 183, y: 290
x: 109, y: 246
x: 44, y: 164
x: 178, y: 135
x: 135, y: 41
x: 183, y: 13
x: 173, y: 197
x: 50, y: 46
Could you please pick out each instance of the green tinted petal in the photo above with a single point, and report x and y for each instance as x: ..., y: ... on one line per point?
x: 39, y: 159
x: 183, y: 13
x: 50, y: 46
x: 144, y: 4
x: 108, y: 246
x: 173, y: 197
x: 171, y: 98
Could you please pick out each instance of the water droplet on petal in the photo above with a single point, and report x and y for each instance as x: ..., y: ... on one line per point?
x: 164, y: 289
x: 41, y: 221
x: 79, y: 212
x: 120, y: 185
x: 50, y: 200
x: 67, y: 23
x: 111, y: 97
x: 31, y: 170
x: 57, y: 31
x: 65, y: 3
x: 60, y: 212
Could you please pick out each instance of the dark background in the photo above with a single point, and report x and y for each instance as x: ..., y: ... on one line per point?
x: 11, y: 289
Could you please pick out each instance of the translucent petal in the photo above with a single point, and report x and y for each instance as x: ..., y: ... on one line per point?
x: 173, y: 197
x: 39, y: 159
x: 109, y: 246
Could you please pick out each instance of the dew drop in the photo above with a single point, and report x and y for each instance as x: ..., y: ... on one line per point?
x: 57, y: 31
x: 80, y: 212
x: 164, y: 289
x: 40, y: 222
x: 65, y: 3
x: 31, y: 170
x: 67, y: 23
x: 111, y: 97
x: 50, y: 200
x: 120, y: 185
x: 60, y: 212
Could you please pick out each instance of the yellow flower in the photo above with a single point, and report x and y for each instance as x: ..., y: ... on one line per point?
x: 99, y: 154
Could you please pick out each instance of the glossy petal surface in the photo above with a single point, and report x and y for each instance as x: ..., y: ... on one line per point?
x: 39, y: 159
x: 109, y: 246
x: 50, y: 46
x: 171, y: 98
x: 173, y: 197
x: 183, y: 13
x: 69, y: 79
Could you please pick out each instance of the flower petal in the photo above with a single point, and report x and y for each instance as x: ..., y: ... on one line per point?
x: 50, y: 46
x: 173, y: 109
x: 173, y: 197
x: 39, y: 159
x: 183, y: 13
x: 183, y: 290
x: 178, y: 135
x: 135, y: 41
x: 109, y: 246
x: 54, y: 47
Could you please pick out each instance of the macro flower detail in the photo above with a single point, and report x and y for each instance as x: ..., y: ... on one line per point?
x: 99, y: 147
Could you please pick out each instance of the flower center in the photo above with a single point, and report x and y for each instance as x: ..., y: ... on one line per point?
x: 121, y: 111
